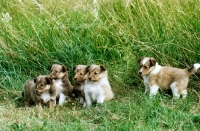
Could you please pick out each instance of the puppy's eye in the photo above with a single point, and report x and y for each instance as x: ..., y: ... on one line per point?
x: 56, y: 72
x: 95, y: 73
x: 81, y: 74
x: 42, y: 85
x: 145, y: 67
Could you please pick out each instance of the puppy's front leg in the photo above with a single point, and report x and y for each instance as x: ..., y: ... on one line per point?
x: 146, y: 84
x: 84, y: 104
x: 100, y: 99
x: 153, y: 90
x: 88, y: 100
x: 52, y: 103
x: 82, y: 100
x: 61, y: 99
x: 39, y: 105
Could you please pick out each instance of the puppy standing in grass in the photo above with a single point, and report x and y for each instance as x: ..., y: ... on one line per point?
x: 97, y: 87
x: 80, y: 78
x: 163, y: 77
x: 61, y: 82
x: 38, y: 91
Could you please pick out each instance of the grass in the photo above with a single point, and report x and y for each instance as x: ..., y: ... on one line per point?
x: 112, y: 33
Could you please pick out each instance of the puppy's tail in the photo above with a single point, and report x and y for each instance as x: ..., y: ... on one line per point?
x: 193, y: 69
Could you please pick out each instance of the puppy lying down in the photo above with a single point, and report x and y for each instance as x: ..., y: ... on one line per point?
x: 38, y: 91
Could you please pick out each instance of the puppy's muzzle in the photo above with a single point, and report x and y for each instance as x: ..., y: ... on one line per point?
x: 38, y: 93
x: 53, y: 77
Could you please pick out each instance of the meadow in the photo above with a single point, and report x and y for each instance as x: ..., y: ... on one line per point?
x: 34, y: 34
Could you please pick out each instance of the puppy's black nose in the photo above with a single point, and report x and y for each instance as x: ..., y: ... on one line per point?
x: 90, y: 78
x: 36, y: 91
x: 140, y: 72
x: 75, y: 79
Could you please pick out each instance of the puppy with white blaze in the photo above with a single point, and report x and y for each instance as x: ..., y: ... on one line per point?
x: 61, y: 82
x: 157, y: 77
x: 97, y: 88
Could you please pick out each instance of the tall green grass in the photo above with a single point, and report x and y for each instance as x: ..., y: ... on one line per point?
x: 114, y: 33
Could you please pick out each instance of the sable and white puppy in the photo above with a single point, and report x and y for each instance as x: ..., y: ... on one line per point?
x: 156, y: 76
x: 97, y: 87
x: 38, y: 91
x: 80, y: 78
x: 61, y: 82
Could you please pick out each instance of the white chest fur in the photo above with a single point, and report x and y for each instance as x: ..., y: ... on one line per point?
x: 146, y: 81
x: 157, y: 69
x: 82, y: 87
x: 45, y: 96
x: 94, y: 90
x: 58, y: 84
x: 59, y: 87
x: 104, y: 81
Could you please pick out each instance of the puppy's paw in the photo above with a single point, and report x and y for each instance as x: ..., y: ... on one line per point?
x: 84, y: 105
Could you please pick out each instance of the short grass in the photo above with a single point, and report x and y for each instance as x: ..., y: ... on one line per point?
x: 114, y: 33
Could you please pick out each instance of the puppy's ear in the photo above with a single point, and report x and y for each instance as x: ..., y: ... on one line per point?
x: 140, y: 59
x: 64, y: 68
x: 74, y: 68
x: 87, y: 69
x: 103, y: 68
x: 35, y: 79
x: 48, y: 79
x: 152, y: 62
x: 22, y: 93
